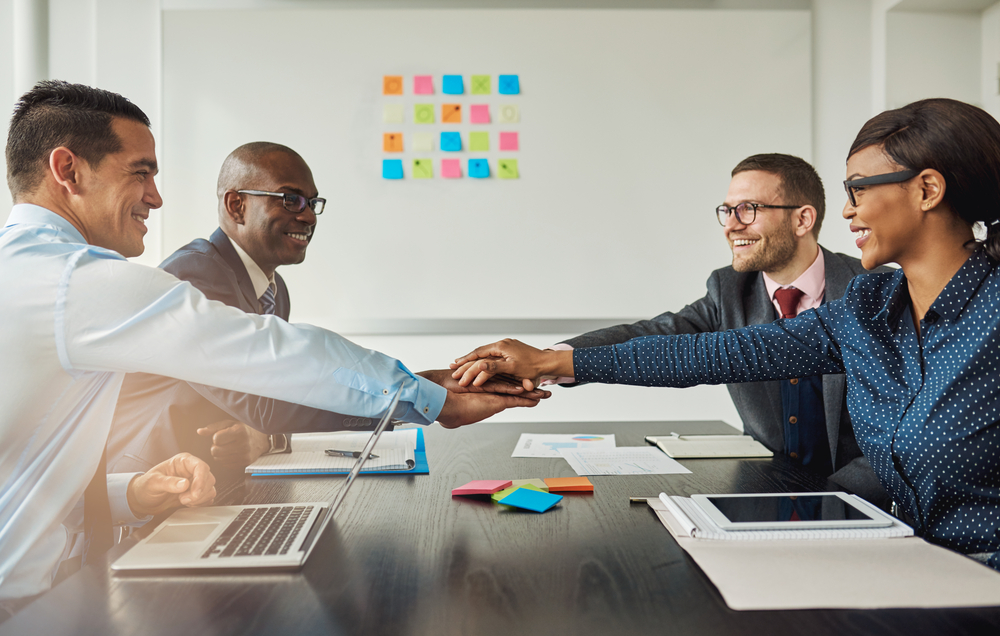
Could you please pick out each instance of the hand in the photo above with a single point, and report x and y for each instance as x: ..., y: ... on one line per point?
x: 234, y: 444
x: 513, y: 358
x: 499, y: 384
x: 465, y: 408
x: 182, y: 480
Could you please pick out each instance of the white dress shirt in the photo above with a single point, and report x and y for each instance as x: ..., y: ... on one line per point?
x: 77, y: 317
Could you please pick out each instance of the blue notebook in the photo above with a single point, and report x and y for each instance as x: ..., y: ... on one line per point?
x: 400, y: 452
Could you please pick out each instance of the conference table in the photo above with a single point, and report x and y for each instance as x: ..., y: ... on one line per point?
x: 404, y: 557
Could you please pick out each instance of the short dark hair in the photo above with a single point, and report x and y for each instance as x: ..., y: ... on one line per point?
x: 960, y: 141
x: 56, y: 113
x: 800, y: 184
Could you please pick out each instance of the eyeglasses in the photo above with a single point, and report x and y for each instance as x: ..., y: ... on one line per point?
x: 880, y: 179
x: 746, y: 213
x: 293, y: 202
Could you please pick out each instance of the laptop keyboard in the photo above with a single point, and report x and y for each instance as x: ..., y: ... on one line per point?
x: 260, y: 531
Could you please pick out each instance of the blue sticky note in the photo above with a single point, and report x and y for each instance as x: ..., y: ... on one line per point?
x: 451, y: 141
x: 392, y: 168
x: 479, y: 168
x: 528, y: 499
x: 509, y: 85
x: 452, y: 85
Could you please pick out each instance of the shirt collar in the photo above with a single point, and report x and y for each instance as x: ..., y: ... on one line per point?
x: 812, y: 282
x: 260, y: 281
x: 952, y: 299
x: 31, y: 214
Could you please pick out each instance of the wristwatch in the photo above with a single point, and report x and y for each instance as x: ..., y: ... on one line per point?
x: 280, y: 444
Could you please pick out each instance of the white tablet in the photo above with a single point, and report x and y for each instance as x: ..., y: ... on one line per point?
x: 791, y: 511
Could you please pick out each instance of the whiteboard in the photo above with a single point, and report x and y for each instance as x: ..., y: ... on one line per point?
x: 631, y: 122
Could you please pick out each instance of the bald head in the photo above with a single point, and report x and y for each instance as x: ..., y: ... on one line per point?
x: 248, y: 164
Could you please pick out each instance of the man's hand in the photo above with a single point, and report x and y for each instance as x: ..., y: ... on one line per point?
x: 512, y: 358
x: 234, y: 444
x: 182, y: 480
x: 466, y: 408
x: 499, y: 384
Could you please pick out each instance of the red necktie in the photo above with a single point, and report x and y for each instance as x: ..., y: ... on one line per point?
x: 788, y: 299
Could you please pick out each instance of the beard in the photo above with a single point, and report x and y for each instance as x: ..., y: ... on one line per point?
x: 771, y: 252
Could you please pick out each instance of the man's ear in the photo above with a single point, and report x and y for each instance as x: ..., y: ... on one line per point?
x: 805, y: 219
x: 233, y: 203
x: 67, y: 169
x: 932, y: 188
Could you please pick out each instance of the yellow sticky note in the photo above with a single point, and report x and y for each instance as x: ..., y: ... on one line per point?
x: 507, y: 169
x: 509, y: 114
x: 451, y: 113
x: 422, y: 142
x: 392, y: 142
x: 497, y: 496
x: 423, y: 169
x: 392, y: 113
x: 392, y: 84
x: 537, y: 483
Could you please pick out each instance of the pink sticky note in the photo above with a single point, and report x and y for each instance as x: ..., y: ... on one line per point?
x: 480, y: 114
x: 481, y: 487
x: 508, y: 141
x: 423, y: 85
x: 451, y: 168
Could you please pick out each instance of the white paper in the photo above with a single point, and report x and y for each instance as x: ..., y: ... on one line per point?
x: 549, y: 445
x: 627, y: 460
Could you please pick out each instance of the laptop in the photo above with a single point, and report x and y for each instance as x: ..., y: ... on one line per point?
x: 268, y: 537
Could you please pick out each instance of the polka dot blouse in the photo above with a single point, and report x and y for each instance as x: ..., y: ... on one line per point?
x: 925, y: 408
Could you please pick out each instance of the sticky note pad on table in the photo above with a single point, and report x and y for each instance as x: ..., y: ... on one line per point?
x: 451, y: 113
x: 508, y: 85
x: 392, y: 168
x: 479, y: 141
x: 423, y: 85
x: 479, y: 168
x: 423, y: 113
x: 479, y: 113
x: 451, y: 141
x: 392, y: 84
x: 451, y: 169
x: 537, y: 483
x: 392, y: 142
x: 423, y: 169
x: 481, y: 487
x: 510, y: 114
x: 497, y: 496
x: 392, y: 113
x: 507, y: 169
x: 509, y: 141
x: 480, y: 84
x: 422, y: 142
x: 569, y: 484
x: 528, y: 499
x: 452, y: 85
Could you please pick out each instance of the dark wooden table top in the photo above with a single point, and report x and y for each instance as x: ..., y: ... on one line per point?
x: 404, y: 557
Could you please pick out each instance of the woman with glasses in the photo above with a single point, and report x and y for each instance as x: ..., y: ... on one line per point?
x: 920, y: 346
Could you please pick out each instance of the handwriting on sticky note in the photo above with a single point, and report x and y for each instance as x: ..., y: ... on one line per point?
x: 423, y: 85
x: 507, y: 169
x: 479, y: 114
x: 392, y: 168
x: 451, y: 169
x: 508, y: 85
x: 479, y: 141
x: 392, y: 142
x: 452, y: 85
x: 509, y: 141
x: 423, y: 169
x: 510, y: 114
x: 451, y: 141
x: 423, y: 113
x: 480, y: 84
x: 392, y: 84
x: 392, y: 113
x: 451, y: 113
x: 479, y: 168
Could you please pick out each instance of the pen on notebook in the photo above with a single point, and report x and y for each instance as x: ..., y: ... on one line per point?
x: 679, y: 515
x: 641, y: 499
x: 347, y: 453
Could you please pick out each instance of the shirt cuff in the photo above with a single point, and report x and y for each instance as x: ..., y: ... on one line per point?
x: 121, y: 514
x: 562, y: 346
x: 427, y: 405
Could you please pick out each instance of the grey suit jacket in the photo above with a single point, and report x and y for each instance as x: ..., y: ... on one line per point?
x: 735, y: 300
x: 157, y: 417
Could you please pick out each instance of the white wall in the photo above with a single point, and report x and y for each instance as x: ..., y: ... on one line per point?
x: 989, y: 66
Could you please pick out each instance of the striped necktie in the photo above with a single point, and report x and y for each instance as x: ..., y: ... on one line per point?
x: 267, y: 301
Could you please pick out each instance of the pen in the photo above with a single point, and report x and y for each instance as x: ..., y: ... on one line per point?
x: 640, y: 499
x: 347, y: 453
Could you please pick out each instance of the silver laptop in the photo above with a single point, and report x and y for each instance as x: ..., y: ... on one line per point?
x: 271, y: 537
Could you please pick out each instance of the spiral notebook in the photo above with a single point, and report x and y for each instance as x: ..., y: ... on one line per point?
x: 399, y: 452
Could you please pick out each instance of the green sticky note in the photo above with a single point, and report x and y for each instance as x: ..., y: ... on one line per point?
x: 479, y: 141
x: 537, y: 483
x: 423, y: 169
x: 497, y: 496
x: 507, y: 169
x: 480, y: 84
x: 423, y: 113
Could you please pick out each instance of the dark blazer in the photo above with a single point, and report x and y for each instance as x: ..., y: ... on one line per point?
x: 157, y: 417
x: 735, y: 300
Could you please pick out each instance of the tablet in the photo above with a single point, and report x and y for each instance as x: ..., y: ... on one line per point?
x: 791, y: 511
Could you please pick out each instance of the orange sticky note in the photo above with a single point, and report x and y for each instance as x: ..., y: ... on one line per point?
x: 392, y: 142
x: 569, y: 484
x: 392, y: 84
x: 451, y: 113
